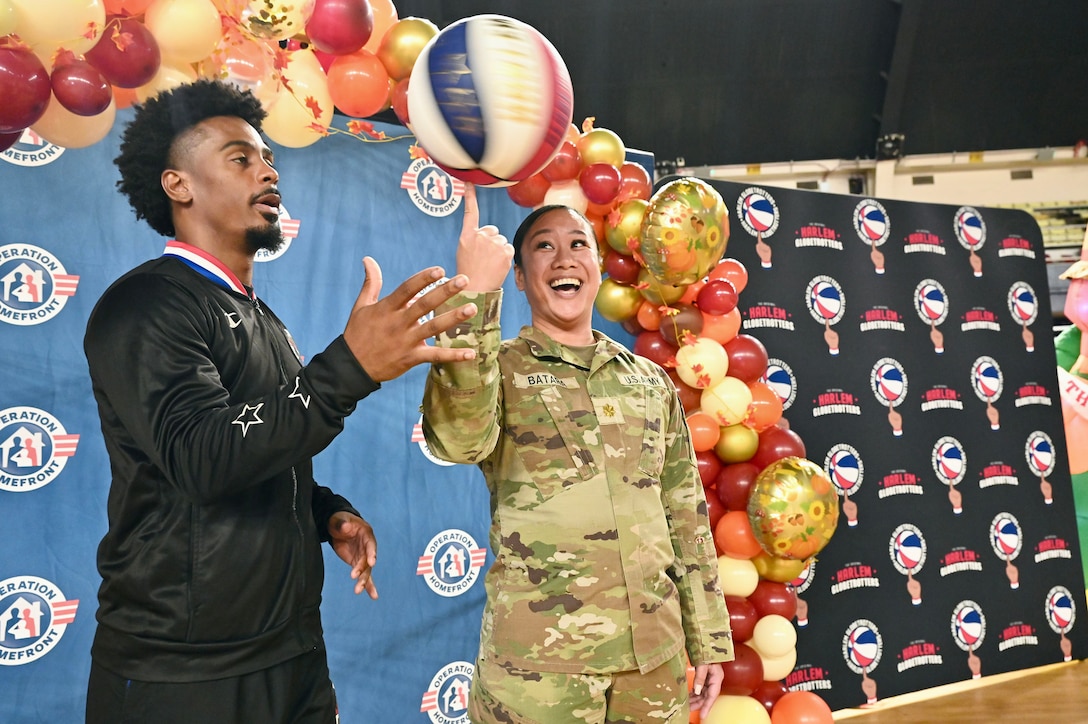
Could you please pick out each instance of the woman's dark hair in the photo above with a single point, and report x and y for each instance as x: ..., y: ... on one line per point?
x: 527, y: 223
x: 147, y: 143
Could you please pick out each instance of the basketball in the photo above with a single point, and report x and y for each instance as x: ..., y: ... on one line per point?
x: 490, y: 100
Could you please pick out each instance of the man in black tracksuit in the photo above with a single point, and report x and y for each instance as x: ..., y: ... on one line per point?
x: 212, y: 566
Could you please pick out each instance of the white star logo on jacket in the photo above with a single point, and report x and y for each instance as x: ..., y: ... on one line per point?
x: 297, y: 394
x: 249, y: 417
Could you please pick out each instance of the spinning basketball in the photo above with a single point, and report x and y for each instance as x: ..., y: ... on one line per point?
x: 490, y: 100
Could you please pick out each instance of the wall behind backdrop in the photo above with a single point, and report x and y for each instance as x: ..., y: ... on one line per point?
x: 65, y: 234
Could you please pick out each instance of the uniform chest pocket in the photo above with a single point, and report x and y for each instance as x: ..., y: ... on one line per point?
x: 652, y: 457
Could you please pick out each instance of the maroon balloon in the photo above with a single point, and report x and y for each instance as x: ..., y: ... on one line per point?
x: 653, y: 346
x: 776, y: 443
x: 632, y: 327
x: 24, y: 86
x: 769, y: 692
x: 747, y: 357
x: 714, y: 509
x: 675, y: 328
x: 600, y: 182
x: 734, y: 483
x: 7, y: 140
x: 127, y: 54
x: 717, y: 297
x: 565, y: 165
x: 709, y: 467
x: 742, y: 617
x: 624, y: 268
x: 529, y: 192
x: 744, y: 673
x: 81, y: 88
x: 340, y: 27
x: 691, y: 399
x: 771, y: 597
x: 398, y: 99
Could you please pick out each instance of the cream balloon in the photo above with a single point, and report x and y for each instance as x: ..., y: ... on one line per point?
x: 738, y: 576
x: 166, y: 77
x: 46, y: 25
x: 61, y: 127
x: 776, y: 668
x: 773, y: 636
x: 186, y: 30
x: 9, y: 19
x: 732, y: 709
x: 302, y: 109
x: 568, y: 193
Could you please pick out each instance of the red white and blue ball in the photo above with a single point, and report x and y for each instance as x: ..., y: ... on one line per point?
x: 490, y: 100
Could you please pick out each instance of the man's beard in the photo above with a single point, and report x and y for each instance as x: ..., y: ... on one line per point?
x: 269, y: 238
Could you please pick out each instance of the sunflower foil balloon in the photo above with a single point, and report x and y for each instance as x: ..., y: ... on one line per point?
x: 793, y: 508
x: 684, y: 231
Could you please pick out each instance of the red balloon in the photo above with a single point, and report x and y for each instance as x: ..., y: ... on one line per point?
x: 398, y: 98
x: 24, y: 86
x: 771, y: 597
x: 714, y: 509
x: 624, y: 268
x: 742, y: 618
x: 734, y: 483
x: 731, y: 270
x: 635, y: 182
x: 744, y: 673
x: 676, y: 328
x: 747, y: 358
x: 340, y: 27
x: 565, y: 165
x: 769, y: 692
x: 600, y: 182
x: 7, y: 140
x: 709, y: 467
x: 127, y: 54
x: 529, y: 192
x: 776, y: 443
x: 81, y: 88
x: 691, y: 399
x: 801, y: 707
x: 653, y: 346
x: 718, y: 296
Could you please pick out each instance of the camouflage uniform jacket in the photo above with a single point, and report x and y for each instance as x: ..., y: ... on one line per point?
x: 604, y: 558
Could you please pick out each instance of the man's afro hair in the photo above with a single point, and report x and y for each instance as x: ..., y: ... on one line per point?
x: 148, y: 139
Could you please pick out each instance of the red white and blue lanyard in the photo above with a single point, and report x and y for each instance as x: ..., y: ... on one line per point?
x: 204, y: 263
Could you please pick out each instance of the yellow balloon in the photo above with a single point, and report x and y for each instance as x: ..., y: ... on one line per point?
x: 780, y: 570
x: 46, y: 25
x: 61, y: 127
x: 601, y: 145
x: 617, y: 302
x: 702, y: 364
x: 685, y: 231
x: 793, y: 508
x: 8, y: 18
x: 728, y: 401
x: 302, y: 109
x: 623, y: 224
x: 776, y: 668
x: 275, y: 19
x: 732, y: 709
x: 653, y: 290
x: 403, y: 43
x: 738, y: 577
x: 166, y: 77
x: 773, y: 636
x: 737, y: 444
x: 185, y: 30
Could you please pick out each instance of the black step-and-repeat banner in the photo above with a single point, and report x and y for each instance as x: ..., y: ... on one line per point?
x: 912, y: 347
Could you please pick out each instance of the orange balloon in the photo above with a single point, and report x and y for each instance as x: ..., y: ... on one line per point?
x: 358, y: 84
x: 721, y: 327
x: 691, y: 292
x: 704, y: 431
x: 384, y: 17
x: 123, y: 97
x: 649, y: 315
x: 731, y: 270
x: 734, y: 537
x: 598, y: 230
x: 766, y: 407
x: 126, y: 7
x: 801, y: 707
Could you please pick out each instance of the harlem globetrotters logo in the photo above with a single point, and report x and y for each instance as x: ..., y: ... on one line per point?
x: 971, y: 232
x: 846, y: 472
x: 888, y: 381
x: 758, y: 214
x: 931, y: 303
x: 873, y: 227
x: 1007, y: 539
x: 1039, y: 452
x: 780, y: 378
x: 451, y: 563
x: 34, y: 286
x: 289, y: 227
x: 1061, y: 614
x: 826, y: 304
x: 968, y: 631
x: 862, y: 646
x: 907, y: 549
x: 446, y: 700
x: 34, y: 447
x: 432, y: 190
x: 949, y: 461
x: 988, y: 383
x: 1024, y: 308
x: 34, y: 615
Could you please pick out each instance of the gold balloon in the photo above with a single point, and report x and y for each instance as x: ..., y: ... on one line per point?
x: 186, y: 30
x: 657, y: 292
x: 275, y: 19
x: 779, y: 570
x: 403, y: 43
x: 617, y: 302
x: 685, y: 231
x: 793, y: 508
x: 601, y: 146
x: 736, y: 444
x: 625, y: 223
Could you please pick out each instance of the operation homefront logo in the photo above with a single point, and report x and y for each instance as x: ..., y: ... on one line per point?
x: 446, y: 700
x: 419, y: 439
x: 32, y: 150
x: 34, y: 615
x: 289, y: 227
x: 34, y: 447
x: 34, y: 285
x: 432, y: 190
x: 451, y: 562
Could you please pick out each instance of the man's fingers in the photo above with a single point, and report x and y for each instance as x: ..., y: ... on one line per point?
x: 472, y: 211
x: 372, y: 283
